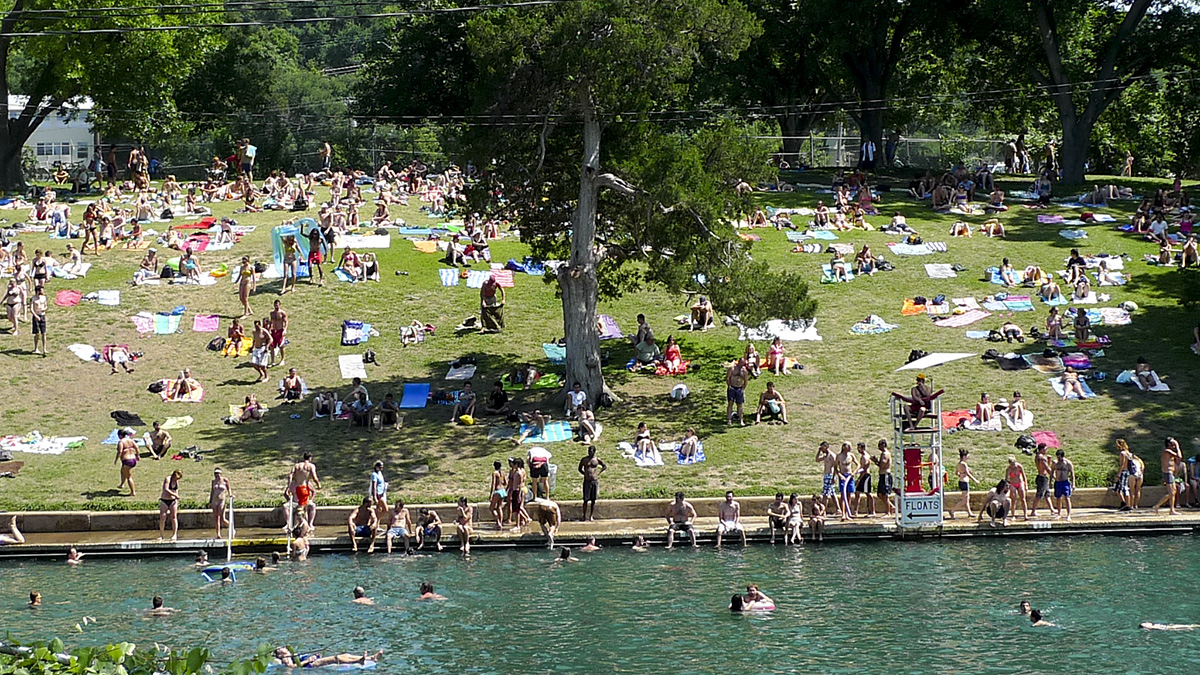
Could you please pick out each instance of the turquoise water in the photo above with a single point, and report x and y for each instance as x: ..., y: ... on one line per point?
x: 878, y: 607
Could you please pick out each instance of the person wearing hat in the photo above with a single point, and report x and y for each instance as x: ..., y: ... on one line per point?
x: 148, y: 269
x: 218, y: 492
x: 919, y: 400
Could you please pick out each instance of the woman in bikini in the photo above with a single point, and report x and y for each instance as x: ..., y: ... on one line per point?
x: 13, y: 299
x: 497, y: 494
x: 463, y: 524
x: 127, y: 457
x: 168, y: 505
x: 1008, y: 275
x: 984, y: 410
x: 1071, y: 384
x: 1015, y: 475
x: 776, y: 361
x: 1054, y: 324
x: 864, y: 262
x: 246, y: 284
x: 752, y: 360
x: 291, y: 263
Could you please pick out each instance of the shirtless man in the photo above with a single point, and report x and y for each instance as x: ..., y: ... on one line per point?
x: 845, y: 463
x: 399, y: 525
x: 363, y: 522
x: 218, y: 493
x: 549, y: 518
x: 303, y: 473
x: 965, y: 476
x: 1171, y: 461
x: 590, y: 467
x: 777, y: 517
x: 1042, y: 482
x: 735, y: 392
x: 772, y: 403
x: 260, y: 351
x: 360, y: 597
x: 127, y: 456
x: 862, y: 482
x: 1064, y: 482
x: 464, y: 525
x: 277, y: 323
x: 157, y: 608
x: 729, y: 518
x: 825, y: 455
x: 886, y: 480
x: 1125, y: 469
x: 919, y: 400
x: 680, y: 516
x: 158, y: 441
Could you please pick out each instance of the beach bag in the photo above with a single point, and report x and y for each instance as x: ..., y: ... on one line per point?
x: 1025, y: 442
x: 260, y: 267
x: 167, y: 272
x: 216, y: 344
x: 155, y: 387
x: 917, y: 354
x: 995, y: 336
x: 990, y: 355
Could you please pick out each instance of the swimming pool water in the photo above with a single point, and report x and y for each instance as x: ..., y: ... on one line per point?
x: 880, y: 607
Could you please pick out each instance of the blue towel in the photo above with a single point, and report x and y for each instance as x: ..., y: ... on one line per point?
x: 977, y: 334
x: 415, y: 395
x: 556, y: 353
x: 995, y: 275
x: 415, y: 231
x: 343, y: 275
x: 822, y: 234
x: 827, y: 274
x: 112, y: 440
x: 1057, y: 302
x: 1056, y: 382
x: 475, y: 278
x: 448, y: 277
x: 1018, y: 305
x: 796, y: 237
x: 555, y: 432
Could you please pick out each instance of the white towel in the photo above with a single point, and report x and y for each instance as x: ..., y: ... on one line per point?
x: 1022, y: 424
x: 940, y: 271
x: 352, y: 366
x: 109, y: 298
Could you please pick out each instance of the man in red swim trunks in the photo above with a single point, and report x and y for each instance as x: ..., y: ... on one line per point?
x: 298, y: 487
x: 316, y: 243
x: 277, y: 323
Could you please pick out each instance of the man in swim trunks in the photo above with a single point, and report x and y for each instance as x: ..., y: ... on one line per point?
x: 845, y: 464
x: 260, y: 350
x: 886, y: 480
x: 1064, y: 481
x: 1171, y: 461
x: 277, y: 324
x: 549, y: 518
x: 826, y: 456
x: 863, y: 487
x: 429, y: 526
x: 1042, y: 483
x: 159, y: 441
x: 363, y: 523
x: 316, y: 249
x: 303, y: 473
x: 285, y: 657
x: 735, y: 390
x: 777, y: 516
x: 680, y: 517
x: 729, y: 518
x: 772, y: 404
x: 399, y: 525
x: 590, y: 467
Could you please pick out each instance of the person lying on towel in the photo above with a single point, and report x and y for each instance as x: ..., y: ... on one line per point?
x: 182, y: 387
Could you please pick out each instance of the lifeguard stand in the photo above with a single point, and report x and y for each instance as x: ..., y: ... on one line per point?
x: 920, y: 451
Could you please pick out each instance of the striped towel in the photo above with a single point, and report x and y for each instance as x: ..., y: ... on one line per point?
x: 934, y: 310
x: 448, y: 277
x: 1018, y: 303
x: 504, y: 278
x: 936, y: 246
x: 961, y: 320
x: 166, y: 324
x: 475, y: 278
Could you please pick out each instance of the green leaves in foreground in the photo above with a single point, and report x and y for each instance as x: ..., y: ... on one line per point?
x: 122, y: 658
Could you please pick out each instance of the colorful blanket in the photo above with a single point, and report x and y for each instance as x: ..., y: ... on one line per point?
x: 965, y: 319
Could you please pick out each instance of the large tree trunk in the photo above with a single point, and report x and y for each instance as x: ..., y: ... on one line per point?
x: 1073, y: 155
x: 12, y: 177
x: 794, y: 130
x: 578, y: 279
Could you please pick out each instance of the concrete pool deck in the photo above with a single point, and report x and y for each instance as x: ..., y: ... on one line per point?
x: 50, y: 534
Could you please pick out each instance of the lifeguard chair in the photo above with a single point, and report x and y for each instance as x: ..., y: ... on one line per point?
x: 919, y: 446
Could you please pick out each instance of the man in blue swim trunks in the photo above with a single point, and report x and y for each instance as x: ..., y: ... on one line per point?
x: 1064, y: 481
x: 824, y: 454
x: 363, y: 522
x: 735, y: 390
x: 845, y: 464
x: 399, y: 525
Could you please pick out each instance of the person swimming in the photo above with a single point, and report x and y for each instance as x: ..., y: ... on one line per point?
x: 1148, y: 625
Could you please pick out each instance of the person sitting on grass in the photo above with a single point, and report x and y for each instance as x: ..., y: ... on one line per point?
x: 899, y: 225
x: 960, y: 229
x: 1033, y: 276
x: 821, y: 216
x: 1083, y: 288
x: 771, y: 403
x: 1050, y: 291
x: 182, y: 387
x: 1054, y: 325
x: 389, y: 412
x: 350, y: 263
x: 942, y: 196
x: 360, y: 411
x: 251, y: 411
x: 985, y: 411
x: 189, y: 266
x: 672, y: 359
x: 497, y: 402
x: 1082, y: 325
x: 992, y: 228
x: 588, y: 430
x: 840, y: 223
x: 837, y: 267
x: 995, y: 202
x: 370, y: 267
x: 1189, y: 255
x: 776, y: 359
x: 646, y: 353
x: 702, y: 314
x: 690, y: 445
x: 864, y: 262
x: 464, y: 403
x: 535, y: 425
x: 752, y: 359
x: 1008, y: 275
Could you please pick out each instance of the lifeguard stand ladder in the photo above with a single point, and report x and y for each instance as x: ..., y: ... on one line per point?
x: 919, y: 504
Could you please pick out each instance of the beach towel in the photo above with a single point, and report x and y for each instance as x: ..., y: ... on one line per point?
x: 475, y: 278
x: 177, y: 422
x: 113, y: 440
x: 1018, y: 303
x: 428, y: 246
x: 1113, y: 316
x: 940, y: 271
x: 643, y: 460
x: 1072, y: 234
x: 108, y: 298
x: 1056, y: 302
x: 352, y: 366
x: 503, y: 276
x: 342, y: 275
x: 994, y: 424
x: 1091, y: 299
x: 808, y: 248
x: 1111, y: 279
x: 1048, y: 437
x: 961, y: 320
x: 556, y: 353
x: 796, y: 237
x: 965, y: 303
x: 144, y: 322
x: 935, y: 359
x: 872, y: 325
x: 994, y: 276
x: 951, y: 419
x: 416, y: 395
x: 546, y: 381
x: 36, y: 444
x: 1022, y: 424
x: 977, y: 334
x: 206, y: 323
x: 1045, y: 364
x: 166, y: 324
x: 937, y: 246
x: 1077, y: 360
x: 1056, y: 382
x: 824, y: 235
x: 911, y: 308
x: 555, y: 432
x: 81, y: 271
x: 1103, y: 218
x: 85, y: 352
x: 67, y: 298
x: 449, y: 277
x: 674, y: 447
x: 609, y: 330
x: 194, y: 396
x: 355, y: 333
x: 744, y: 236
x: 414, y: 231
x: 937, y: 310
x: 827, y: 274
x: 909, y: 249
x: 788, y: 331
x: 1127, y: 377
x: 500, y: 433
x: 1048, y: 219
x: 462, y: 372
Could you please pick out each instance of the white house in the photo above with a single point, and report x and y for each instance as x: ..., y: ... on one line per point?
x: 65, y: 136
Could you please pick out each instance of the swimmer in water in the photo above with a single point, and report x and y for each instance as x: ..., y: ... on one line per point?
x: 591, y: 546
x: 360, y: 597
x: 157, y: 608
x: 1035, y: 618
x: 202, y: 559
x: 755, y: 599
x: 428, y: 594
x: 640, y: 545
x: 565, y: 556
x: 74, y: 557
x: 226, y: 577
x: 260, y: 564
x: 285, y: 657
x: 1147, y: 625
x: 1024, y: 608
x: 35, y: 599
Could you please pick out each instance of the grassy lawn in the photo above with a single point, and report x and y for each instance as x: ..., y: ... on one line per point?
x: 841, y: 394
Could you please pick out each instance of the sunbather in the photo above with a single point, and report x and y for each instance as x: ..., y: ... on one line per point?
x: 1071, y: 384
x: 776, y: 359
x: 1083, y: 288
x: 960, y: 229
x: 772, y: 404
x: 1054, y: 324
x: 821, y: 216
x: 535, y: 425
x: 1033, y: 276
x: 690, y: 445
x: 1017, y: 409
x: 984, y: 410
x: 182, y: 387
x: 1050, y: 291
x: 351, y: 264
x: 189, y: 266
x: 252, y: 411
x: 996, y: 202
x: 1144, y: 374
x: 837, y: 267
x: 1189, y: 254
x: 702, y: 314
x: 864, y: 262
x: 1011, y: 331
x: 899, y: 224
x: 992, y: 228
x: 292, y: 387
x: 1008, y: 275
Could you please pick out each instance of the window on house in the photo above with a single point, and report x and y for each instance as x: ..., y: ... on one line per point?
x: 64, y: 149
x: 81, y: 151
x: 42, y: 150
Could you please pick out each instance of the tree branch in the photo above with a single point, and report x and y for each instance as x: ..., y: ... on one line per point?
x: 612, y: 182
x: 1106, y: 78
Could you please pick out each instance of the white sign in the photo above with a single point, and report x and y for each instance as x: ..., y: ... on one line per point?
x: 921, y: 511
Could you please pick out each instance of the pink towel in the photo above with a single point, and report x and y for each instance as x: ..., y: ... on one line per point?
x: 206, y: 323
x: 197, y: 242
x: 1048, y: 437
x: 1049, y: 219
x: 144, y: 324
x: 504, y: 278
x: 964, y: 319
x: 67, y: 298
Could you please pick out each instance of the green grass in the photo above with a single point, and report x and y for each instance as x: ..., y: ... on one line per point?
x: 840, y: 395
